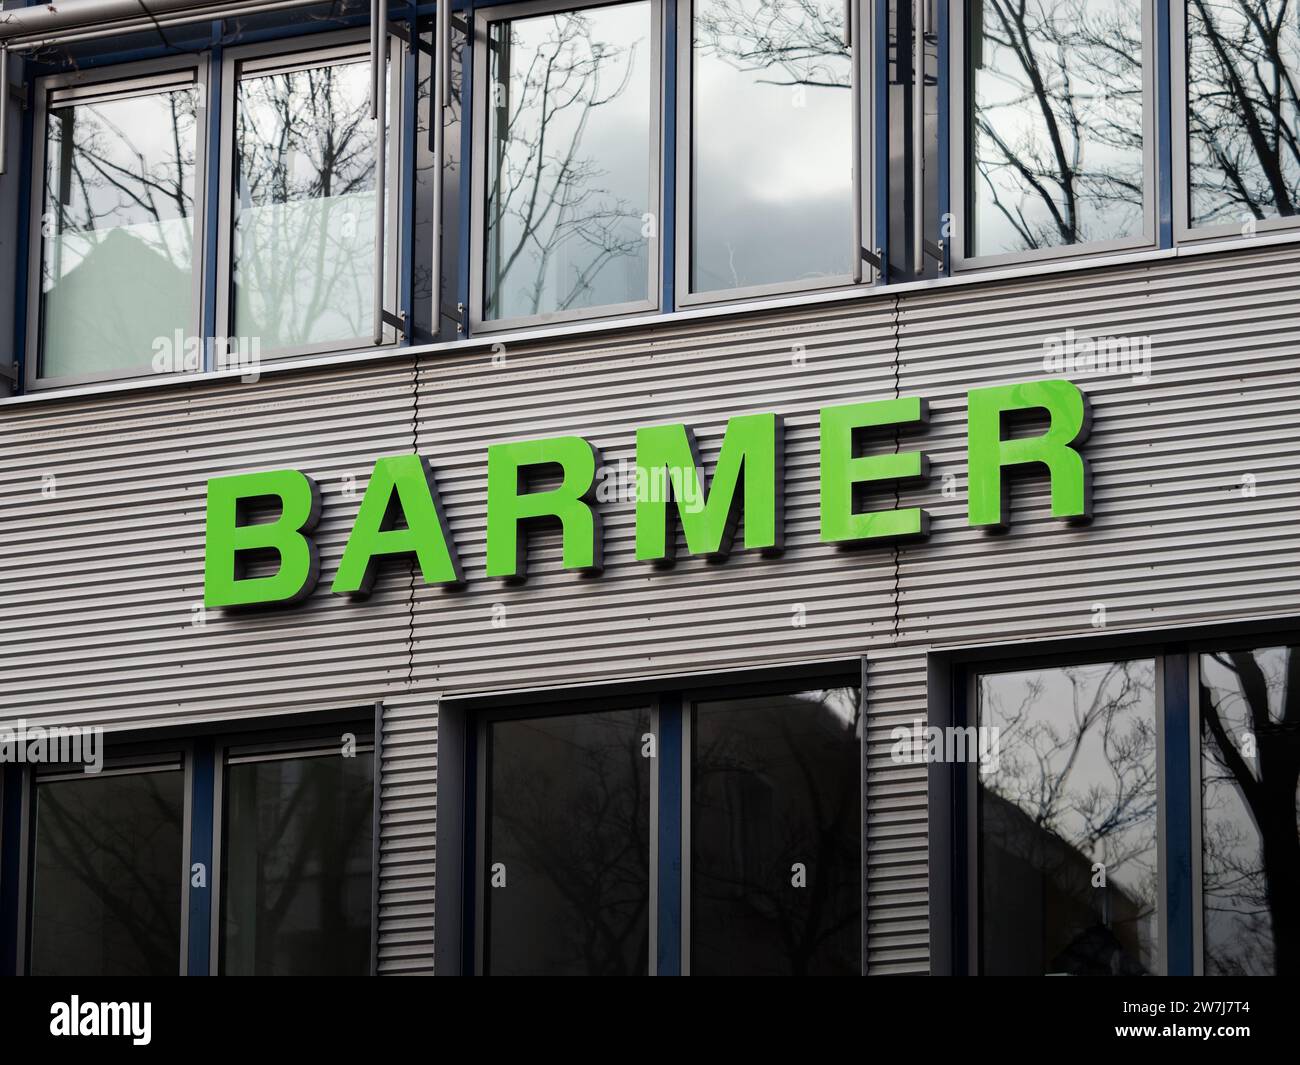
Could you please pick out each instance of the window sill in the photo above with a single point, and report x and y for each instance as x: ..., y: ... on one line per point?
x: 596, y: 327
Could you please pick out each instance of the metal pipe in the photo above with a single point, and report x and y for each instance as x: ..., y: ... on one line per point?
x: 143, y: 25
x: 379, y: 109
x: 4, y: 107
x: 48, y: 26
x: 441, y: 62
x: 374, y: 59
x: 445, y: 37
x: 918, y: 138
x: 855, y: 87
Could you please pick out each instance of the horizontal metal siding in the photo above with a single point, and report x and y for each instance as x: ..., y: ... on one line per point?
x: 408, y: 826
x: 99, y: 583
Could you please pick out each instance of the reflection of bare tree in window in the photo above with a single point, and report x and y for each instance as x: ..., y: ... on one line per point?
x: 802, y: 42
x: 1250, y: 716
x: 305, y: 218
x: 777, y: 782
x: 1077, y: 772
x: 1057, y: 119
x: 570, y: 822
x: 107, y: 889
x: 548, y: 194
x: 296, y: 879
x: 1242, y: 109
x: 100, y: 177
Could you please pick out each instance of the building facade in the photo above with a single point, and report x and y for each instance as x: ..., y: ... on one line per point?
x: 701, y: 491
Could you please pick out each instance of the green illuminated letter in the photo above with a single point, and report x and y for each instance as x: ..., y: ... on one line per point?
x: 668, y: 465
x: 840, y: 471
x: 509, y: 504
x: 988, y: 452
x: 223, y: 582
x: 400, y: 486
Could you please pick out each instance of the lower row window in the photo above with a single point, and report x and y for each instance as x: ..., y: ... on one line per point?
x: 732, y: 822
x: 109, y: 869
x: 1076, y: 852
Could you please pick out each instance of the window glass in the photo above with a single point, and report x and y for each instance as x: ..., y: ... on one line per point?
x: 1056, y: 102
x: 117, y: 227
x: 570, y: 204
x: 776, y: 844
x: 295, y: 866
x: 106, y: 889
x: 1243, y: 113
x: 771, y: 143
x: 1067, y: 821
x: 303, y: 263
x: 1250, y: 819
x: 567, y: 865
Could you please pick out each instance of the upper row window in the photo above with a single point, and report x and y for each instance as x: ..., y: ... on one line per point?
x: 120, y: 241
x: 623, y: 162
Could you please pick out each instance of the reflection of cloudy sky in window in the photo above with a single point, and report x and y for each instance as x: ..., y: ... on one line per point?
x: 772, y: 160
x: 588, y: 250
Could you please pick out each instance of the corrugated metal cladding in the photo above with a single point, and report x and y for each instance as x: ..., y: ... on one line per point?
x: 101, y: 571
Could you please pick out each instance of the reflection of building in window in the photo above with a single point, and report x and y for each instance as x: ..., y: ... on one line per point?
x: 1043, y: 914
x: 1078, y: 767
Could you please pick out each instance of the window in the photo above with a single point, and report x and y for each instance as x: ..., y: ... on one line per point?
x: 117, y: 238
x: 568, y: 140
x: 1067, y: 811
x: 776, y: 835
x: 1055, y: 138
x: 1238, y: 116
x: 295, y: 862
x: 1249, y: 708
x: 303, y: 205
x: 108, y: 871
x: 767, y: 111
x: 709, y: 832
x: 568, y: 845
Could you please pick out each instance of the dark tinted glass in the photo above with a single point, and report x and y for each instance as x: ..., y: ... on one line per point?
x: 776, y: 866
x: 568, y: 852
x: 106, y: 894
x: 1067, y: 808
x: 295, y: 874
x: 1250, y: 818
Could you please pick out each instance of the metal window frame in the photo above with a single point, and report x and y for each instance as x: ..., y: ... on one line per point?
x: 288, y: 55
x: 283, y: 745
x: 960, y: 261
x: 100, y: 85
x: 1184, y: 230
x: 862, y: 67
x: 476, y: 226
x: 137, y: 760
